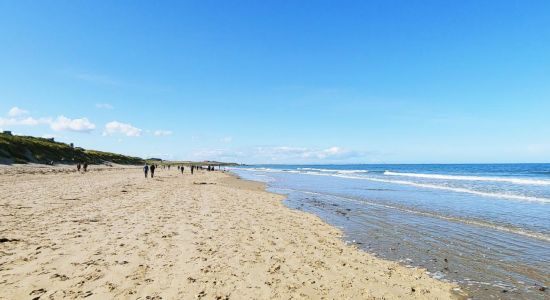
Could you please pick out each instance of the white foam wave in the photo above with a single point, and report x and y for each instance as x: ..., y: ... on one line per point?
x: 352, y: 171
x: 416, y: 184
x: 472, y: 178
x: 317, y: 169
x: 478, y: 223
x: 305, y: 170
x: 259, y: 169
x: 459, y: 190
x: 447, y: 188
x: 308, y: 170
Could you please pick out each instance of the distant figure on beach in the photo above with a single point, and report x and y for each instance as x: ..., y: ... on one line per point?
x: 182, y: 169
x: 153, y: 167
x: 192, y: 168
x: 78, y: 167
x: 146, y: 170
x: 168, y: 167
x: 85, y: 167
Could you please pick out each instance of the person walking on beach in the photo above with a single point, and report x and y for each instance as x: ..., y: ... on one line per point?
x: 182, y: 169
x: 85, y: 167
x: 192, y: 168
x: 78, y: 167
x: 153, y: 170
x: 146, y: 170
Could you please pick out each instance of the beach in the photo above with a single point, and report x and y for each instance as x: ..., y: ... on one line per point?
x: 110, y: 233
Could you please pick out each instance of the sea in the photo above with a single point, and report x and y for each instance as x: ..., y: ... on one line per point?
x: 485, y: 227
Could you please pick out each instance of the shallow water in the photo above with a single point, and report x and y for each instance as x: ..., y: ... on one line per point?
x: 485, y: 227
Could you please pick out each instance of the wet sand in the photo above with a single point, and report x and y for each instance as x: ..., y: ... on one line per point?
x: 110, y: 233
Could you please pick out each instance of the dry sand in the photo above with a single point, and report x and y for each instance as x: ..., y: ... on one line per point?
x: 112, y: 234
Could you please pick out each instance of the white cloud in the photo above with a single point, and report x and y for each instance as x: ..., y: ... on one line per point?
x: 123, y: 128
x: 281, y: 150
x: 162, y: 132
x: 29, y: 121
x: 16, y: 118
x: 60, y: 124
x: 17, y: 112
x: 78, y: 125
x: 297, y: 152
x: 227, y: 139
x: 214, y: 153
x: 9, y: 122
x: 163, y: 156
x: 32, y: 121
x: 282, y: 154
x: 327, y: 153
x: 104, y: 106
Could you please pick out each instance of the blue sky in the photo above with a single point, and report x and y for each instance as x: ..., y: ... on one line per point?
x: 282, y: 81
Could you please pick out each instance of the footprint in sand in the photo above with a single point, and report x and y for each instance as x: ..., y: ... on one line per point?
x: 60, y: 277
x: 37, y: 292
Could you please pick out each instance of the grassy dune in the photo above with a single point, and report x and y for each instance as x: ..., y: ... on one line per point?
x: 28, y: 149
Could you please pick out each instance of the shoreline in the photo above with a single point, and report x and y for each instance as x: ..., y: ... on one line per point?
x: 456, y: 291
x: 213, y: 235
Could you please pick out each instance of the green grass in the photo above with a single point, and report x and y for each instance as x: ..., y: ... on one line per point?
x: 28, y: 149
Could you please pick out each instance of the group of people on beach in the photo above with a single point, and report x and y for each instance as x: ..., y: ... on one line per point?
x: 148, y: 168
x: 151, y: 169
x: 83, y: 166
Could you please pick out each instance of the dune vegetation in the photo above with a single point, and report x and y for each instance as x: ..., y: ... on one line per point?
x: 27, y: 149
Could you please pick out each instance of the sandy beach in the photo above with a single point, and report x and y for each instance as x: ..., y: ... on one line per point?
x: 110, y: 233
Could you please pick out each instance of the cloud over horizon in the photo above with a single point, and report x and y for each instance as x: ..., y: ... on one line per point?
x: 226, y: 139
x: 104, y: 106
x: 126, y: 129
x: 282, y: 154
x: 28, y: 121
x: 17, y: 112
x: 63, y: 123
x: 162, y: 133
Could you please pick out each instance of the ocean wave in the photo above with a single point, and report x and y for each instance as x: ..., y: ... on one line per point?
x: 472, y: 178
x: 317, y: 170
x: 305, y: 170
x: 458, y: 190
x: 334, y: 170
x: 479, y: 223
x: 352, y: 171
x: 416, y: 184
x: 442, y: 187
x: 259, y: 169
